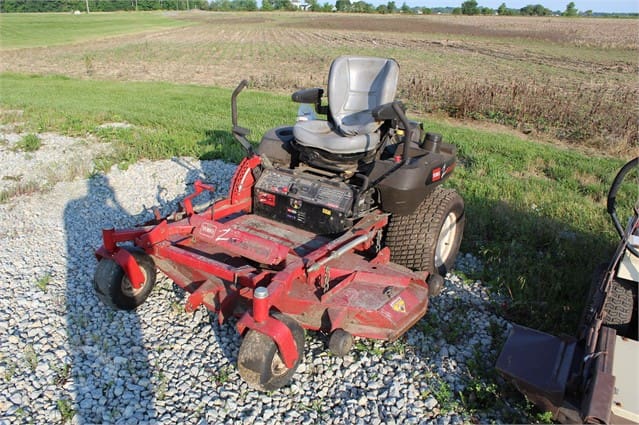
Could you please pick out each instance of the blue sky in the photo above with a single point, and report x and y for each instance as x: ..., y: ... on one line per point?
x: 594, y: 5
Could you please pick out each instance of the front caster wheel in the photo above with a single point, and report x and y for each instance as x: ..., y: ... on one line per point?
x: 340, y: 342
x: 113, y: 288
x: 259, y: 362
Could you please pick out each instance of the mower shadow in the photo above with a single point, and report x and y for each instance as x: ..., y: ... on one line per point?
x: 220, y: 144
x: 542, y: 266
x: 103, y: 343
x: 111, y: 372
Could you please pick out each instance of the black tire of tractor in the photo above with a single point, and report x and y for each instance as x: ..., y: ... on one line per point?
x: 113, y: 288
x: 259, y: 362
x: 413, y: 239
x: 620, y: 308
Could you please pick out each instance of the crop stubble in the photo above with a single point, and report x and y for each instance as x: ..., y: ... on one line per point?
x: 573, y: 79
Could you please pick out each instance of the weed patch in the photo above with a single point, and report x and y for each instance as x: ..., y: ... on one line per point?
x: 28, y: 143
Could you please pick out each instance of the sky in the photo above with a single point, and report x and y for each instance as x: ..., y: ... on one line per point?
x: 623, y: 6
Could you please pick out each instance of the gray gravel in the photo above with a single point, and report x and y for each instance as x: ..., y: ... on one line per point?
x: 63, y: 354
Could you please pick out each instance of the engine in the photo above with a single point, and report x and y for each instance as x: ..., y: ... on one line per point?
x: 311, y: 203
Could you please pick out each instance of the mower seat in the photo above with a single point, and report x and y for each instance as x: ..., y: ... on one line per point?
x: 356, y: 85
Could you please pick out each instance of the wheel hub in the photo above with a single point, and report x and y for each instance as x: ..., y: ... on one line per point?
x: 446, y: 239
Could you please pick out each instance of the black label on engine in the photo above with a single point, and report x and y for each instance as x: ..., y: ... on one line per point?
x: 313, y: 204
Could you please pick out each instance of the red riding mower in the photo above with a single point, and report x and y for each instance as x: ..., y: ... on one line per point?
x: 336, y: 225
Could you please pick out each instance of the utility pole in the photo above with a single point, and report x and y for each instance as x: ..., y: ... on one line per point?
x: 87, y: 3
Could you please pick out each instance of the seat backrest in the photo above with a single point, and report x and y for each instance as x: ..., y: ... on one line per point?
x: 355, y: 86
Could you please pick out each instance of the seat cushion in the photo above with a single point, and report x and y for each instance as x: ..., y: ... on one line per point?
x: 320, y: 134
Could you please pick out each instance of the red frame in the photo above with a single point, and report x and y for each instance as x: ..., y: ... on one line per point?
x: 212, y: 255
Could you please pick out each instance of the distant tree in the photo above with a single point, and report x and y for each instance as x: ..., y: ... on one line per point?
x: 406, y: 9
x: 343, y: 5
x: 327, y: 7
x: 469, y: 7
x: 314, y: 6
x: 362, y: 7
x: 382, y: 8
x: 248, y: 5
x: 535, y: 10
x: 502, y: 10
x: 542, y: 11
x: 279, y: 5
x: 571, y: 10
x: 267, y: 6
x: 486, y: 11
x: 391, y: 6
x: 427, y: 11
x: 457, y: 11
x: 588, y: 12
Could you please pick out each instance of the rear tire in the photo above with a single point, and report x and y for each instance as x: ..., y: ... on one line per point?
x: 429, y: 238
x: 620, y: 306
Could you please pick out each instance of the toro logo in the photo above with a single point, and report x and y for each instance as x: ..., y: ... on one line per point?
x: 440, y: 173
x: 437, y: 174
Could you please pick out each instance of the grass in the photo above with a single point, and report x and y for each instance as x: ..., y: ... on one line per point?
x: 167, y: 119
x: 18, y: 30
x: 535, y: 212
x: 29, y: 143
x: 65, y: 407
x: 43, y: 282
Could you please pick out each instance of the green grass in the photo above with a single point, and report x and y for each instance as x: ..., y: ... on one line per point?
x: 535, y: 212
x: 29, y: 143
x: 19, y: 30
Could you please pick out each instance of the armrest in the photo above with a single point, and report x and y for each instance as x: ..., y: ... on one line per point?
x: 387, y: 111
x: 313, y: 96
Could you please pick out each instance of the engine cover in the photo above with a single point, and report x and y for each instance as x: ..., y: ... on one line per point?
x: 308, y: 202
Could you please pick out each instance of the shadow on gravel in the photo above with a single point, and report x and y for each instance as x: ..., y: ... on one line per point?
x: 110, y: 369
x: 112, y: 375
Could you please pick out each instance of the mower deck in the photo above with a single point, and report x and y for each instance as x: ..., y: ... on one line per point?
x: 374, y: 299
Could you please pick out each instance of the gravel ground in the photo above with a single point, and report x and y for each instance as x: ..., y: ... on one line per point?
x: 64, y: 356
x: 59, y: 158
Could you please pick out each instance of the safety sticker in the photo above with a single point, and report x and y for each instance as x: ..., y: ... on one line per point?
x: 399, y: 305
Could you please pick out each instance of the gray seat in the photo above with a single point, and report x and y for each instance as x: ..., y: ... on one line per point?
x: 356, y: 85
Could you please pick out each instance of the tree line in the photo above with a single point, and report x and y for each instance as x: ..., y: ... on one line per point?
x: 471, y: 7
x: 468, y: 7
x: 9, y: 6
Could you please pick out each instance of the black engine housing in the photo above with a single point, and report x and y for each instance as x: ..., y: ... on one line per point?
x: 312, y: 203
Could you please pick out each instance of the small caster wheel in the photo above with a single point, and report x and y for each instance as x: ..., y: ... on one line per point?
x: 340, y: 342
x: 259, y: 362
x: 113, y: 288
x: 435, y: 284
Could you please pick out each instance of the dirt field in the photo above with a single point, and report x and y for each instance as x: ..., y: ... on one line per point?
x: 573, y: 79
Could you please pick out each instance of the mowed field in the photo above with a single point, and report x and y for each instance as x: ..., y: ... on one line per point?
x: 567, y: 80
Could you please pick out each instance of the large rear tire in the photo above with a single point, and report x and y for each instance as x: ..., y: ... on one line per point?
x: 620, y: 307
x: 429, y: 238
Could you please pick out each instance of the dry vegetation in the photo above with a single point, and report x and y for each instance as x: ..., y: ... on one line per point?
x: 569, y: 79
